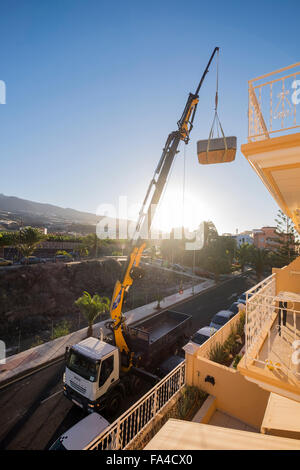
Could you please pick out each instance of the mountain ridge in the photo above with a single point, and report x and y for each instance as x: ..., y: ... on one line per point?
x: 15, y: 206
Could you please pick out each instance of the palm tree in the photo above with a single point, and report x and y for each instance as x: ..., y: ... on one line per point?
x: 28, y: 239
x: 92, y: 242
x: 159, y: 299
x: 91, y: 308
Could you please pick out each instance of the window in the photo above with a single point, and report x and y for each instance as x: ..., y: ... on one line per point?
x: 107, y: 367
x: 82, y: 366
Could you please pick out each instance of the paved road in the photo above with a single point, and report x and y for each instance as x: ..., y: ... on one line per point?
x: 34, y: 411
x: 203, y: 307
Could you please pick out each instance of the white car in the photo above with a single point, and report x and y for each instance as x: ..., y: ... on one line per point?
x: 79, y: 436
x: 220, y: 318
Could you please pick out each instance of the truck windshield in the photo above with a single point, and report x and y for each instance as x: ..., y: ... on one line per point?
x: 82, y: 366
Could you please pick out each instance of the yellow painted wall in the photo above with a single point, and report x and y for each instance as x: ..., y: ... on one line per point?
x: 234, y: 394
x: 286, y: 280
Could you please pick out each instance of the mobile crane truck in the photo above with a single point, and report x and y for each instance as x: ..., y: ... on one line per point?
x: 100, y: 373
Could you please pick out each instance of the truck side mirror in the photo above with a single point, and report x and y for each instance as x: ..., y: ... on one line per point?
x: 67, y: 351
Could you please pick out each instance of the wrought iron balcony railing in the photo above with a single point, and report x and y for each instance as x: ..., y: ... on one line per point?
x: 273, y: 103
x: 272, y: 329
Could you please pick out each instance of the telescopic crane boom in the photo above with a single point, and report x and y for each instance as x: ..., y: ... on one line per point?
x: 146, y: 215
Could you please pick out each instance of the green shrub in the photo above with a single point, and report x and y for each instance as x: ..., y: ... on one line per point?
x: 191, y: 397
x: 237, y: 359
x: 37, y: 341
x: 241, y: 325
x: 62, y: 329
x: 218, y: 353
x: 223, y: 353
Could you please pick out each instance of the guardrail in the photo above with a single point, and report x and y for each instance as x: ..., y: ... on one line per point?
x: 259, y: 310
x: 272, y: 105
x: 271, y: 343
x: 128, y: 426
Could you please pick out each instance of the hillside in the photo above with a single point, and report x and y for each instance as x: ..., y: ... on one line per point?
x: 14, y: 208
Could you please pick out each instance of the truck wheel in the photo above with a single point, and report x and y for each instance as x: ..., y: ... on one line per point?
x: 114, y: 403
x: 136, y: 383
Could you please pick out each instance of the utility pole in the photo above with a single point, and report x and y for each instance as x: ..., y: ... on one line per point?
x: 194, y: 253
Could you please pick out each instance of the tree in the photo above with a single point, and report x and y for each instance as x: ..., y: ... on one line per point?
x: 216, y: 258
x: 286, y: 239
x: 91, y: 308
x: 260, y: 260
x: 92, y: 243
x: 82, y: 251
x: 243, y: 255
x: 210, y: 232
x: 27, y: 240
x: 159, y: 298
x: 8, y: 238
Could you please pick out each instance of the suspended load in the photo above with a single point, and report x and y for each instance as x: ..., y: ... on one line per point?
x: 218, y: 149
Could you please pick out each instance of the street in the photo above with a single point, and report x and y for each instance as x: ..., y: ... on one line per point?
x: 34, y: 410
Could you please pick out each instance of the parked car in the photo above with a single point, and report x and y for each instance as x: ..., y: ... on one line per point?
x: 242, y: 298
x: 236, y: 306
x: 63, y: 258
x: 203, y: 335
x: 168, y: 365
x: 220, y: 318
x: 32, y: 260
x: 5, y: 262
x: 79, y: 436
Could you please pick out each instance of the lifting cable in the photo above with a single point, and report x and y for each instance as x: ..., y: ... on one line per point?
x: 216, y: 120
x: 183, y: 188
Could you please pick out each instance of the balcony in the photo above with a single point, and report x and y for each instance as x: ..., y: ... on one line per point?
x: 273, y: 148
x: 272, y: 333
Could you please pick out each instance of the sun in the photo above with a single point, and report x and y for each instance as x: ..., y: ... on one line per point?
x: 176, y: 212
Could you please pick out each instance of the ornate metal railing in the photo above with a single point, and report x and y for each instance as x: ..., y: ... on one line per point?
x: 259, y: 311
x: 268, y: 342
x: 273, y: 103
x: 127, y: 427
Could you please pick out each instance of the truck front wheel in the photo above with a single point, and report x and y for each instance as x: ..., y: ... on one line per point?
x: 114, y: 403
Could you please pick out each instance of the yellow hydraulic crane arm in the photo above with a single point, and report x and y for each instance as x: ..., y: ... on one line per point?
x: 146, y: 215
x: 121, y: 288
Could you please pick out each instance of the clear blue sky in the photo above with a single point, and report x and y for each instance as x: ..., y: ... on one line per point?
x: 94, y: 88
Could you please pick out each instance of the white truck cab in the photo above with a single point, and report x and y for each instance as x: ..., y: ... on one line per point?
x: 92, y: 368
